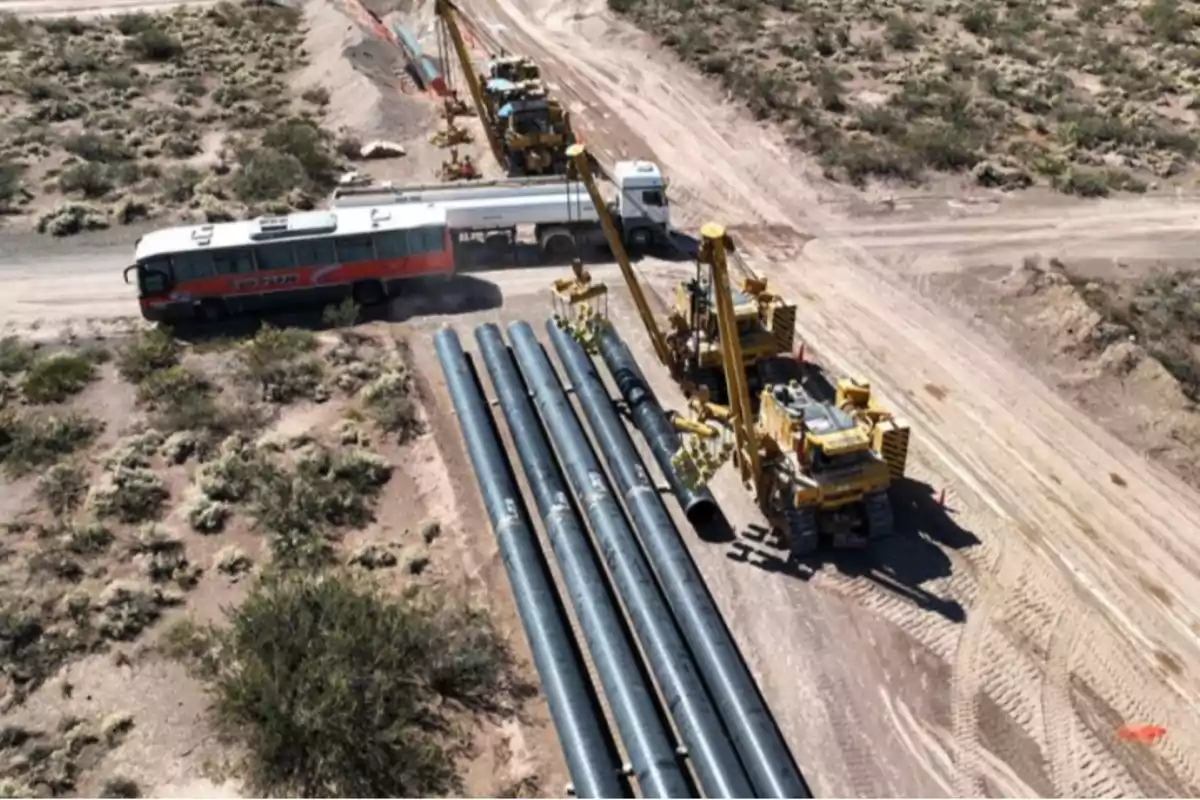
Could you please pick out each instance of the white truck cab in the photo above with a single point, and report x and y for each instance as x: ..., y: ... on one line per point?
x: 641, y: 192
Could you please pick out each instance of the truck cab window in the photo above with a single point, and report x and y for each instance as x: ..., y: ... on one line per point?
x: 654, y: 197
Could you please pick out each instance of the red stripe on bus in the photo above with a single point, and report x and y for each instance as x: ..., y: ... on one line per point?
x: 313, y: 277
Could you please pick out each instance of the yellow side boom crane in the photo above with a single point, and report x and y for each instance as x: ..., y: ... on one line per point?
x: 447, y: 14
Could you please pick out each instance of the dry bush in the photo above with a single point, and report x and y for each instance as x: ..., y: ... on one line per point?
x: 57, y: 377
x: 15, y: 355
x: 35, y: 440
x: 388, y: 401
x: 62, y: 488
x: 129, y: 494
x: 151, y: 350
x: 281, y: 363
x: 337, y: 732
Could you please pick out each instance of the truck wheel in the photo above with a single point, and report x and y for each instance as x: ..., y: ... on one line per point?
x: 640, y: 240
x: 368, y: 293
x: 559, y: 247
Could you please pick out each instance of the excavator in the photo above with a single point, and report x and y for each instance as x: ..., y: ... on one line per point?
x: 525, y: 129
x: 820, y: 471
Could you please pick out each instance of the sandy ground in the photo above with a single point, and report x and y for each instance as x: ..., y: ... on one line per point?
x: 996, y: 648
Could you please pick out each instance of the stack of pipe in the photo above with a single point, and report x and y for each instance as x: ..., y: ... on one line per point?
x: 732, y: 743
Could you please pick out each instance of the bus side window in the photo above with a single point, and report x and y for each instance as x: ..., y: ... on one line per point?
x: 315, y: 253
x: 192, y: 266
x: 355, y: 248
x: 276, y: 256
x: 393, y: 244
x: 233, y: 262
x: 426, y: 240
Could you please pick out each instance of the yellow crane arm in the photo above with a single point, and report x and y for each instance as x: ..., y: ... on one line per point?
x: 741, y: 415
x: 578, y: 155
x: 447, y: 13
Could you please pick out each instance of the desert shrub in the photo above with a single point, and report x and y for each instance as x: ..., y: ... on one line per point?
x: 150, y: 350
x: 152, y: 44
x: 15, y: 355
x: 101, y: 147
x: 130, y: 494
x: 280, y: 362
x: 178, y: 184
x: 39, y: 439
x: 326, y: 489
x: 317, y: 95
x: 10, y: 182
x: 90, y: 179
x: 304, y: 140
x: 179, y: 399
x: 62, y: 487
x: 367, y: 678
x: 135, y: 23
x: 341, y: 315
x: 119, y: 787
x: 388, y: 401
x: 57, y: 377
x: 88, y: 540
x: 206, y: 515
x: 232, y: 475
x: 265, y: 174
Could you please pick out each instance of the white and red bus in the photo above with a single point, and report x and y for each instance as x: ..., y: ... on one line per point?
x: 210, y: 271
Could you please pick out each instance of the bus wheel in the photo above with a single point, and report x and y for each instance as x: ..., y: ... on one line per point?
x: 368, y: 293
x: 211, y: 310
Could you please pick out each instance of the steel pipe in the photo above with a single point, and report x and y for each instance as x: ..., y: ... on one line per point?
x: 650, y: 746
x: 651, y: 420
x: 763, y: 752
x: 713, y: 757
x: 587, y: 745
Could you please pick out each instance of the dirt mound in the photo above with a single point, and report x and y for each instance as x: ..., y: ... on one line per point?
x: 361, y: 74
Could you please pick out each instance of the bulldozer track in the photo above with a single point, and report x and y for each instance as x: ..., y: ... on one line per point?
x: 861, y: 777
x: 1058, y: 712
x: 970, y: 663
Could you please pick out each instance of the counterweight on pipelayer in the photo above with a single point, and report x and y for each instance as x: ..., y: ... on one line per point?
x: 586, y: 743
x: 754, y: 733
x: 712, y: 754
x: 649, y: 745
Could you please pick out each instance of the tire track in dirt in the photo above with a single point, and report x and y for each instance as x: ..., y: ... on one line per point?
x: 1058, y: 712
x: 967, y: 677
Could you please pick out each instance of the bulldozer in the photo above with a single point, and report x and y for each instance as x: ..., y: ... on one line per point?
x: 765, y: 324
x: 820, y: 469
x: 534, y: 133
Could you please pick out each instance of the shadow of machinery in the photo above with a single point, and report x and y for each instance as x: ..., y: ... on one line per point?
x: 461, y: 294
x: 900, y: 564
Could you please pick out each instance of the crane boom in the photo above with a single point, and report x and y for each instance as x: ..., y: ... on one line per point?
x: 741, y: 416
x: 446, y: 11
x: 578, y: 156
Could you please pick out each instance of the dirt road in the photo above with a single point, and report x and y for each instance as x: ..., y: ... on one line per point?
x: 1082, y: 602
